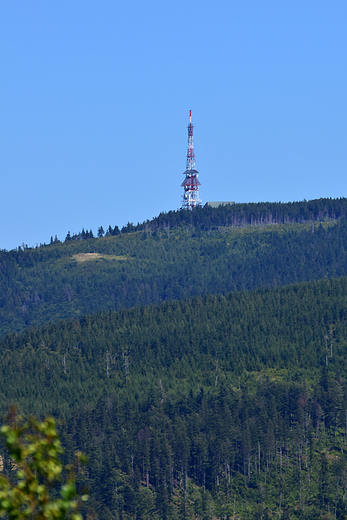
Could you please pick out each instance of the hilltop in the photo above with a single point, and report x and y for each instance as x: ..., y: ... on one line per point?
x: 175, y: 256
x: 199, y: 359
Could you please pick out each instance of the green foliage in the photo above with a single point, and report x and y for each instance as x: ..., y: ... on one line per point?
x: 35, y: 450
x: 285, y: 334
x: 246, y: 214
x: 171, y: 262
x: 259, y: 214
x: 202, y: 367
x: 205, y: 456
x: 197, y: 407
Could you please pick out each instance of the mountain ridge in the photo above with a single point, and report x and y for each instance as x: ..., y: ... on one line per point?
x: 199, y: 361
x: 139, y: 268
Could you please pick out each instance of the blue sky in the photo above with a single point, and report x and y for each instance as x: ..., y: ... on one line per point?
x: 95, y: 100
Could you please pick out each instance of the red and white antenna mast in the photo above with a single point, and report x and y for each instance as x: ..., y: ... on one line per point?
x: 191, y: 184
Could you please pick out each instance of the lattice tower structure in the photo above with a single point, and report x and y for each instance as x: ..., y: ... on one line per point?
x: 190, y: 197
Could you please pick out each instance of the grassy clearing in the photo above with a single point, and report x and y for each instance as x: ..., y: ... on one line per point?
x: 84, y: 257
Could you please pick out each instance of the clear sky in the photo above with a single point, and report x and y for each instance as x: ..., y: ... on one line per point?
x: 95, y: 99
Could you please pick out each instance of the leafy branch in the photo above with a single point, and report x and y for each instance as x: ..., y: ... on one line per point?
x: 35, y: 450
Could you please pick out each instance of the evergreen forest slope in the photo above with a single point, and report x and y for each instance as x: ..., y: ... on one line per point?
x: 187, y: 345
x: 177, y: 255
x: 198, y: 359
x: 202, y: 408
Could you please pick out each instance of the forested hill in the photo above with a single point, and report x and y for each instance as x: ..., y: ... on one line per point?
x: 166, y: 261
x: 185, y: 344
x: 248, y: 214
x: 214, y: 407
x: 198, y: 359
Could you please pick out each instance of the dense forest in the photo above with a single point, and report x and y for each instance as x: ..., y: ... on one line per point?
x: 214, y: 406
x: 198, y: 359
x: 184, y: 344
x: 77, y: 277
x: 249, y: 214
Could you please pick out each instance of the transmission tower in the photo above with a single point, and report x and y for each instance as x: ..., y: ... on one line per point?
x: 191, y: 184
